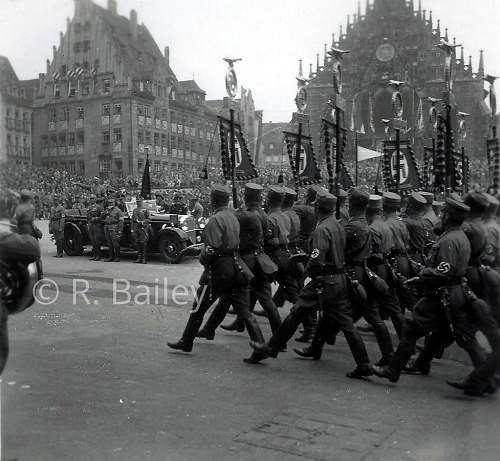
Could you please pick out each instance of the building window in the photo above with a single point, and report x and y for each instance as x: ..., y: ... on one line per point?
x: 62, y: 139
x: 85, y: 88
x: 107, y: 85
x: 157, y: 139
x: 80, y: 137
x: 71, y: 167
x: 78, y: 27
x: 117, y: 109
x: 106, y: 110
x: 80, y: 112
x: 147, y: 111
x: 44, y: 140
x: 71, y: 138
x: 53, y: 139
x: 140, y: 137
x: 72, y: 89
x: 81, y: 167
x: 105, y: 137
x: 147, y: 137
x: 52, y: 114
x: 163, y: 139
x: 104, y: 165
x: 57, y: 90
x: 117, y: 134
x: 65, y: 114
x: 77, y: 46
x: 86, y: 26
x: 86, y: 45
x: 22, y: 93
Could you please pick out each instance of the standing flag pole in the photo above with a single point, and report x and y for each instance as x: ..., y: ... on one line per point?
x: 398, y: 124
x: 231, y: 88
x: 356, y: 155
x: 450, y: 52
x: 338, y: 108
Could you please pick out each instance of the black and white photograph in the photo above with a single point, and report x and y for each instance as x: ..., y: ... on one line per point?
x: 249, y: 230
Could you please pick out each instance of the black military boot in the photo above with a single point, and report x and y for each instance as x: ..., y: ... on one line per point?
x: 97, y: 254
x: 264, y: 350
x: 238, y: 325
x: 185, y: 344
x: 386, y: 373
x: 416, y: 368
x: 309, y: 352
x: 139, y: 256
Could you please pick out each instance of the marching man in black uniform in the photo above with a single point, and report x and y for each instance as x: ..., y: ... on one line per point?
x: 357, y: 250
x: 256, y: 234
x: 327, y: 291
x: 442, y: 308
x: 225, y: 274
x: 140, y: 229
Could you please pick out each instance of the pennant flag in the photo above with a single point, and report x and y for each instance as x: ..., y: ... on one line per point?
x: 244, y: 168
x: 366, y: 154
x: 146, y: 181
x: 409, y: 176
x: 308, y: 171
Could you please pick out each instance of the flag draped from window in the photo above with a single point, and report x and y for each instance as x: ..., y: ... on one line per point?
x: 244, y: 168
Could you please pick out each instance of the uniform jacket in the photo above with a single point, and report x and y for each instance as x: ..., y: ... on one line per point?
x: 328, y: 243
x: 57, y: 218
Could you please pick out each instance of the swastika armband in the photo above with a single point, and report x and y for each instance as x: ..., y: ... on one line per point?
x: 315, y: 254
x: 444, y: 267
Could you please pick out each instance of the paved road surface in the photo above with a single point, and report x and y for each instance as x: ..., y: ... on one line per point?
x: 94, y: 380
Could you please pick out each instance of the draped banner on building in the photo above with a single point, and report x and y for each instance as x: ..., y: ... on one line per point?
x: 308, y: 171
x: 409, y: 177
x: 244, y: 168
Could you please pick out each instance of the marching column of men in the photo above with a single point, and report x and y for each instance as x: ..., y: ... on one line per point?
x: 431, y: 276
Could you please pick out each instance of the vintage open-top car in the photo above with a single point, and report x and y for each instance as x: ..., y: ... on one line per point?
x: 171, y: 235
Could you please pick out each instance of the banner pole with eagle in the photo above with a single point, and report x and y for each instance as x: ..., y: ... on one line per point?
x: 237, y: 163
x: 231, y: 88
x: 299, y: 145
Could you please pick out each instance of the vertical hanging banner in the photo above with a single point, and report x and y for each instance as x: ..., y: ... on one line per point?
x: 244, y: 168
x: 493, y: 152
x: 308, y: 170
x: 345, y: 178
x: 409, y: 174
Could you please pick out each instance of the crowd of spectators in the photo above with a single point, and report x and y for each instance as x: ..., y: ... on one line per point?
x: 44, y: 182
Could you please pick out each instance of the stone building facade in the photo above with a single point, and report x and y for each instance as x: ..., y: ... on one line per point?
x: 393, y: 39
x: 273, y: 150
x: 103, y: 103
x: 16, y: 100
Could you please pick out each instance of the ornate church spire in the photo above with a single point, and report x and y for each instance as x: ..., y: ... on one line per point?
x: 301, y: 74
x: 480, y: 70
x: 310, y: 70
x: 317, y: 62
